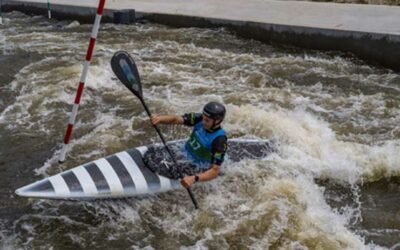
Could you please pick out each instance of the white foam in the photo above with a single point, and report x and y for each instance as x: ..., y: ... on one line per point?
x: 310, y: 144
x: 73, y: 24
x: 256, y: 201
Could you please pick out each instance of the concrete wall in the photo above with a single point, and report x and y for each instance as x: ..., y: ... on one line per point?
x: 376, y: 48
x: 82, y: 14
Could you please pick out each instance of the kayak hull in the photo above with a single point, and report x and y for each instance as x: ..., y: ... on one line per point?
x: 124, y: 174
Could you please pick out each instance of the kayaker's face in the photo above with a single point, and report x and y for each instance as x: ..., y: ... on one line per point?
x: 207, y: 122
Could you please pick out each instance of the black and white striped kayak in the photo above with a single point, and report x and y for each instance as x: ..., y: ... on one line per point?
x: 125, y: 174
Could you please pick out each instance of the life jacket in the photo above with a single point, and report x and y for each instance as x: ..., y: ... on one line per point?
x: 198, y: 147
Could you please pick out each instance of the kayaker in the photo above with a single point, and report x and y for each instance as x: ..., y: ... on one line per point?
x: 207, y: 144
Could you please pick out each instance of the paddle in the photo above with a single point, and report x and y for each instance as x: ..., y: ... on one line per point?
x: 125, y: 69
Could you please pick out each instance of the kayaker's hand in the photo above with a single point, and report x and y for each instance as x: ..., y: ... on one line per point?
x: 154, y: 119
x: 187, y: 181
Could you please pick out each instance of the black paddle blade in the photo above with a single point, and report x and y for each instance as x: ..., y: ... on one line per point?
x: 125, y: 69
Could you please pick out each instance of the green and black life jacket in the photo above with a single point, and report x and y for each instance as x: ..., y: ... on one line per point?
x: 199, y: 144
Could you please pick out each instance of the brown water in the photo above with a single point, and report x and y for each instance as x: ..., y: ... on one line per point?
x: 333, y: 184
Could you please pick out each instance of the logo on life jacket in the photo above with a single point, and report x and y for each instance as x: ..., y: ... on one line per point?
x: 199, y: 144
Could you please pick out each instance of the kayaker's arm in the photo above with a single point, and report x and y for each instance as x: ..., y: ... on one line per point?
x: 208, y: 175
x: 166, y: 119
x: 219, y: 147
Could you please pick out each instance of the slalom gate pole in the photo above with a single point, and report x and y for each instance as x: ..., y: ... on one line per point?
x: 79, y: 92
x: 48, y: 9
x: 1, y: 13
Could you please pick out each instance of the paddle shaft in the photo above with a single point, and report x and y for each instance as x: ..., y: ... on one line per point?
x: 125, y: 69
x: 170, y: 153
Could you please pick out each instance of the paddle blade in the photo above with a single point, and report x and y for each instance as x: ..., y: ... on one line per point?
x: 125, y: 69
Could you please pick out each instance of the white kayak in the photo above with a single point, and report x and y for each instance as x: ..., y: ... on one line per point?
x: 125, y: 174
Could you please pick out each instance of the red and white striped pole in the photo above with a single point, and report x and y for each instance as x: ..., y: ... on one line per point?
x: 79, y: 92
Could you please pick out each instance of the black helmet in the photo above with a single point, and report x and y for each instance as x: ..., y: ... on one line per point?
x: 214, y: 110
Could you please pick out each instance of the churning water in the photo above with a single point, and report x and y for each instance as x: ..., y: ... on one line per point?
x: 333, y: 184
